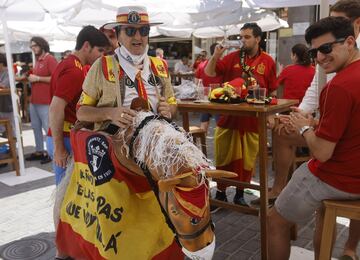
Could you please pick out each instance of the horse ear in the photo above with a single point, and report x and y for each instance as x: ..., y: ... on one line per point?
x: 168, y: 184
x: 220, y: 174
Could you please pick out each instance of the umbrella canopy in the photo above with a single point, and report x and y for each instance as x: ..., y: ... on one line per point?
x: 29, y: 10
x: 287, y: 3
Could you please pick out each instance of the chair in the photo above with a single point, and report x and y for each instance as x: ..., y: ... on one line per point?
x: 333, y: 209
x: 199, y: 134
x: 10, y: 140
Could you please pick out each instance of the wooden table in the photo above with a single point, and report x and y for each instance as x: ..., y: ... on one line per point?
x: 244, y: 109
x: 5, y: 92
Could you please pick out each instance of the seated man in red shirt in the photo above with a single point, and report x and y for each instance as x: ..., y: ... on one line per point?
x: 333, y: 172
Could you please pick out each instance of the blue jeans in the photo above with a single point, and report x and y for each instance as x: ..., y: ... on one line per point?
x: 59, y: 171
x: 39, y: 115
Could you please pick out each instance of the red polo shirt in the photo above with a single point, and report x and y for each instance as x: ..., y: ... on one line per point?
x: 264, y: 70
x: 40, y: 91
x: 66, y: 83
x: 340, y: 123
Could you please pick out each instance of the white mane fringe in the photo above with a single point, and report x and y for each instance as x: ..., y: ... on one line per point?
x: 165, y: 147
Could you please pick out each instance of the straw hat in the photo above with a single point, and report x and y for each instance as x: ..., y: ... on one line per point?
x: 130, y: 15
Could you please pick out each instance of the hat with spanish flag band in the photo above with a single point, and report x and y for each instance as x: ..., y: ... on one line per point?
x: 131, y: 15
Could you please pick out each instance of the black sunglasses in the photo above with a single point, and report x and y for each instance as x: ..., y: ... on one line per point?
x: 325, y: 48
x: 131, y: 31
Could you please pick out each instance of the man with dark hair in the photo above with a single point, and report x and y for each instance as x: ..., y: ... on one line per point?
x: 66, y: 89
x: 333, y: 173
x: 236, y: 138
x: 40, y: 95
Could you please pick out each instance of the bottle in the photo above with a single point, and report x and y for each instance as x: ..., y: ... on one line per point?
x: 236, y: 44
x: 200, y: 90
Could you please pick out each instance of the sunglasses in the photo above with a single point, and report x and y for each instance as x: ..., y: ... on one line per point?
x: 325, y: 48
x: 131, y: 31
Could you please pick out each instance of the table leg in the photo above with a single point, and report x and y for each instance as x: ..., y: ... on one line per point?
x: 263, y: 184
x: 185, y: 116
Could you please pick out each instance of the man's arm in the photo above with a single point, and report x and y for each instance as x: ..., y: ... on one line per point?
x: 320, y: 148
x: 56, y: 122
x: 35, y: 78
x: 118, y: 115
x: 211, y: 65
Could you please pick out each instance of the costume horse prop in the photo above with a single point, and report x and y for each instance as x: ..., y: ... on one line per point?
x: 142, y: 193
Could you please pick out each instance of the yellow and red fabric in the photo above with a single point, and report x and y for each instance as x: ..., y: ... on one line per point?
x: 236, y: 151
x: 236, y: 138
x: 194, y: 201
x: 114, y: 215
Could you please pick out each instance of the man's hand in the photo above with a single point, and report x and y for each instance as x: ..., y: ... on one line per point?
x: 218, y: 52
x: 164, y: 108
x: 60, y: 156
x: 298, y: 120
x: 122, y: 117
x: 284, y: 125
x: 33, y: 78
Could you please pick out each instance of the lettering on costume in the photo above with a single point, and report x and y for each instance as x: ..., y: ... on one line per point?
x: 73, y: 210
x: 85, y: 192
x: 111, y: 243
x: 78, y: 64
x: 105, y: 208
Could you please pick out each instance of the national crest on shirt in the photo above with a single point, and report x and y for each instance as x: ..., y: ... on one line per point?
x: 261, y: 69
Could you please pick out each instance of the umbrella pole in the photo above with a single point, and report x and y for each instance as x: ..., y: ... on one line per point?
x: 13, y: 92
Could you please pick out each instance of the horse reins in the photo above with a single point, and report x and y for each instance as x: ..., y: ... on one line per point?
x: 153, y: 184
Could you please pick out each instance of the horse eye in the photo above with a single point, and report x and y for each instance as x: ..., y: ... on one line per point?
x: 194, y: 221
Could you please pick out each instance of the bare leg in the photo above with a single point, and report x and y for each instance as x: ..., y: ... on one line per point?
x: 285, y: 145
x: 279, y: 236
x: 353, y: 239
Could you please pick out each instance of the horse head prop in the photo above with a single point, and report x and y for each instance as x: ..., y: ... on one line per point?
x: 107, y: 189
x: 179, y: 175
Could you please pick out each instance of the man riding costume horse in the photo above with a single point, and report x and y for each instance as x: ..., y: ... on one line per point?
x: 108, y: 210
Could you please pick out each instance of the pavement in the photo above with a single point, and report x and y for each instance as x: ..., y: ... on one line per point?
x: 27, y: 231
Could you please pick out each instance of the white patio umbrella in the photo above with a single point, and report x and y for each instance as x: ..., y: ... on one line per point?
x: 289, y: 3
x: 21, y: 10
x: 267, y: 22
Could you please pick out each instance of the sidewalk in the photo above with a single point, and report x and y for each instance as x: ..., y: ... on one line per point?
x: 27, y: 232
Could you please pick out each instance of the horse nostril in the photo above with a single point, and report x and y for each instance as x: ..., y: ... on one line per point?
x: 174, y: 211
x: 194, y: 221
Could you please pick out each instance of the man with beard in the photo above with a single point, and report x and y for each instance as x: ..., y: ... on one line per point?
x: 40, y: 95
x: 236, y: 138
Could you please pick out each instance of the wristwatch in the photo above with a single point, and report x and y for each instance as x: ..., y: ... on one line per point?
x: 304, y: 129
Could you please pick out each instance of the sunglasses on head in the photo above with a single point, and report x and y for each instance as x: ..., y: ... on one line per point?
x: 325, y: 48
x: 131, y: 31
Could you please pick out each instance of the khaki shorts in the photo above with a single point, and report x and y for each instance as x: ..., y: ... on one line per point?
x: 304, y: 194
